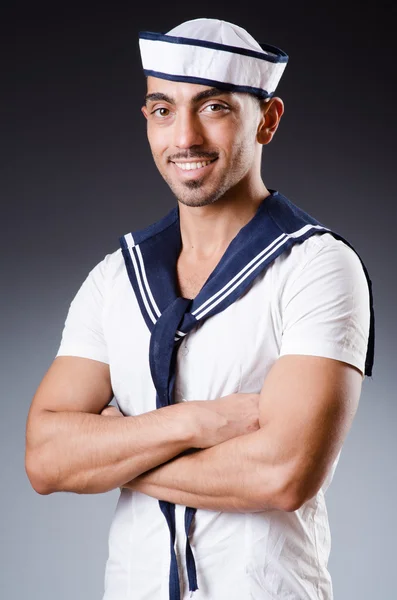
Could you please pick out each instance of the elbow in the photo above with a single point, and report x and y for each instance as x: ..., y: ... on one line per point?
x: 38, y: 483
x: 43, y: 491
x: 291, y: 490
x: 295, y: 493
x: 39, y: 456
x: 287, y: 501
x: 37, y: 475
x: 290, y: 503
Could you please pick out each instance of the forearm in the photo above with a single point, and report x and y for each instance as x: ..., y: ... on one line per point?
x: 90, y: 454
x: 238, y: 475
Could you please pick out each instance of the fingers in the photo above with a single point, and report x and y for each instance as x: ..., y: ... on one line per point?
x: 111, y: 411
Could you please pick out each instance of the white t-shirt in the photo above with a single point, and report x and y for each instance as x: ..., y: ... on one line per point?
x: 313, y: 299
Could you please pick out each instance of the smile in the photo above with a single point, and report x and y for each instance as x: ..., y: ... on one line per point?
x: 193, y: 166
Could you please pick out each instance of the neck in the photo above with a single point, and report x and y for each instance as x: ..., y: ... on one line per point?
x: 207, y: 231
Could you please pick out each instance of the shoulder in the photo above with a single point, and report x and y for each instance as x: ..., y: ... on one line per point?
x: 94, y: 288
x: 319, y: 243
x: 321, y: 255
x: 106, y: 270
x: 322, y: 271
x: 324, y: 301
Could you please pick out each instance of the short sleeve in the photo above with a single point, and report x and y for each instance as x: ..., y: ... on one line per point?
x: 325, y: 307
x: 83, y: 334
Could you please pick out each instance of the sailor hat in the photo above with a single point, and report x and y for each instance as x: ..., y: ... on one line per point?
x: 215, y: 53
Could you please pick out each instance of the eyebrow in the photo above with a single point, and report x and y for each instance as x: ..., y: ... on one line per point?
x: 210, y: 93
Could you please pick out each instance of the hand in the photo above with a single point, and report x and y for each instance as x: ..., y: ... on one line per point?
x: 111, y: 411
x: 216, y: 421
x: 227, y: 417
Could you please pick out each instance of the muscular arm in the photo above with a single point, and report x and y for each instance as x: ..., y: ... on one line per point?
x: 307, y: 405
x: 71, y: 447
x: 226, y: 477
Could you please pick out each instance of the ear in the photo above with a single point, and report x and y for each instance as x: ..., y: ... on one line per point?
x: 144, y: 111
x: 272, y: 111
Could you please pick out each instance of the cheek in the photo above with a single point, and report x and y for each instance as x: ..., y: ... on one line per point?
x: 242, y: 146
x: 236, y: 139
x: 157, y: 140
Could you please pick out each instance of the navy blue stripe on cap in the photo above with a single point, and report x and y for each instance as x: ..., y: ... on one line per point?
x: 229, y: 87
x: 279, y: 55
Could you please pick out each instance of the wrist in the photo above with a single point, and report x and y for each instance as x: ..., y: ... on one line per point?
x: 179, y: 420
x: 188, y: 418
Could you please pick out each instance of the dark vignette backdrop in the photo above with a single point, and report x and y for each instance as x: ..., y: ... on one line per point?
x: 76, y: 173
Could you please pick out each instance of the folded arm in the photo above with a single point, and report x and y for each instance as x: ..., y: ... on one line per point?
x: 71, y: 447
x: 306, y: 406
x: 307, y: 403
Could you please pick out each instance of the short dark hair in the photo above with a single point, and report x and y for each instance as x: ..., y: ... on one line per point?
x: 258, y: 99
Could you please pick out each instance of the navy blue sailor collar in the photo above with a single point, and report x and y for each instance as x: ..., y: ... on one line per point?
x: 151, y: 255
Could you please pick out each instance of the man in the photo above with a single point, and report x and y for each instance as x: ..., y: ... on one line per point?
x: 234, y: 334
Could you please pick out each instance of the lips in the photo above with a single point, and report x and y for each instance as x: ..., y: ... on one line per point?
x: 193, y: 167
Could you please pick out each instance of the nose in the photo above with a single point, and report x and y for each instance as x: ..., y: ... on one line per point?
x: 187, y: 130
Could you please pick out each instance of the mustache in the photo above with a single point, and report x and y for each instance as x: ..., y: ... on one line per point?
x: 192, y: 155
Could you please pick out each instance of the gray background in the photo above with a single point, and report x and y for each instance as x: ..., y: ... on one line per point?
x: 76, y: 173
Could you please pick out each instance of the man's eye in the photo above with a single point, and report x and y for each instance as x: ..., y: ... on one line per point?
x: 215, y: 108
x: 161, y: 112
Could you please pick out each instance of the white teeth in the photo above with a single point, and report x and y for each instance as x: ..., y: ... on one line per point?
x: 193, y: 165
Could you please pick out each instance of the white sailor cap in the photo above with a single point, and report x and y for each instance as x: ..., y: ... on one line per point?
x: 215, y: 53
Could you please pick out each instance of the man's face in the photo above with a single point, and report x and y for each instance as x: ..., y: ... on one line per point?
x: 203, y: 140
